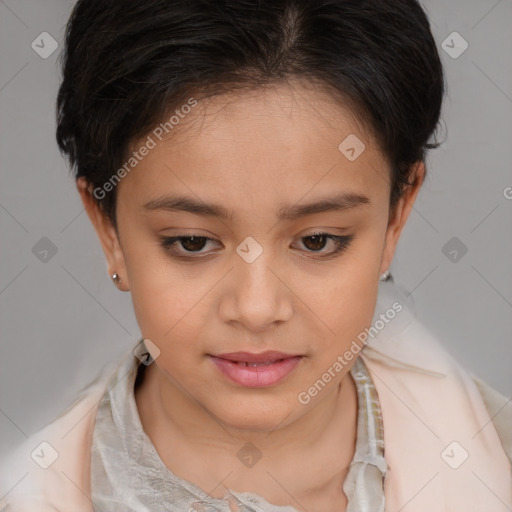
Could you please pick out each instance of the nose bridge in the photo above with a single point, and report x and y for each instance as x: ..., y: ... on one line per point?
x: 259, y: 296
x: 256, y: 278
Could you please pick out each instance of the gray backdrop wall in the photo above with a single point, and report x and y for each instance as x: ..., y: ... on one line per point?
x: 60, y: 315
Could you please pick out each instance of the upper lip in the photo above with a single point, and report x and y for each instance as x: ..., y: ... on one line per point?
x: 250, y: 357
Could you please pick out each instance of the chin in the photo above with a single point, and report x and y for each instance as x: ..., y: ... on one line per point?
x: 252, y: 425
x: 254, y: 416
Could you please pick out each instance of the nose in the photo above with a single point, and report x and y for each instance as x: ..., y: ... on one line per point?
x: 257, y: 296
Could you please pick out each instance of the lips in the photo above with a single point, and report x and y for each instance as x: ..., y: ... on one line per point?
x: 256, y: 370
x: 269, y: 356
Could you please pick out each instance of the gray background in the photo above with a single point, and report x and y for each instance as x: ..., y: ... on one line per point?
x: 62, y: 319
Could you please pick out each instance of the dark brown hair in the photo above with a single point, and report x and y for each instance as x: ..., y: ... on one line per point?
x: 127, y: 64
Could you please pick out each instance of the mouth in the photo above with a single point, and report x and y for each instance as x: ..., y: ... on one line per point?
x: 256, y: 370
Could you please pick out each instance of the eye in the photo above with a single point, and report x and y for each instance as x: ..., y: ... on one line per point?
x: 315, y: 242
x: 189, y: 244
x: 183, y: 246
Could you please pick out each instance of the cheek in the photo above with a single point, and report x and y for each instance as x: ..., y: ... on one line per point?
x: 162, y: 295
x: 169, y: 319
x: 158, y: 299
x: 167, y: 309
x: 348, y: 311
x: 346, y: 303
x: 171, y: 309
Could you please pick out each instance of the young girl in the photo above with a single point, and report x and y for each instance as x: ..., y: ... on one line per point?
x: 249, y: 167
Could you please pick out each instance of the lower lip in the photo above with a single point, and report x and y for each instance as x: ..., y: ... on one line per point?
x: 257, y: 376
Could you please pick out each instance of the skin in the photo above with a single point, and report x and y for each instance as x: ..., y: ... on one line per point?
x: 254, y: 153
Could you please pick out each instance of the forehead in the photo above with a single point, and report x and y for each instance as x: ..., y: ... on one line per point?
x: 268, y: 146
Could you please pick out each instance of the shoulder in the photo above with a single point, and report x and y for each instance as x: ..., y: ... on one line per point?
x: 500, y: 411
x: 411, y: 361
x: 48, y: 470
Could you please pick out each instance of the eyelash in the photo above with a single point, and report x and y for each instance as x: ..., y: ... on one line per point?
x: 342, y: 243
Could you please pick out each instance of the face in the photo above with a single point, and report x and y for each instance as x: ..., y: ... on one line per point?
x: 284, y: 254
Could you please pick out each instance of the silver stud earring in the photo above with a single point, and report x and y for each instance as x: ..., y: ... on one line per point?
x: 385, y: 276
x: 116, y: 278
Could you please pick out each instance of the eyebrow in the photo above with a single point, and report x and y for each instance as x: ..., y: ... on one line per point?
x: 179, y: 203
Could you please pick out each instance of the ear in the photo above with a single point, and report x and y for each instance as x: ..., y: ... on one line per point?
x: 400, y: 214
x: 106, y: 233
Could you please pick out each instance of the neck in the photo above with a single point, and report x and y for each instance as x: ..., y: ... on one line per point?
x: 307, y: 456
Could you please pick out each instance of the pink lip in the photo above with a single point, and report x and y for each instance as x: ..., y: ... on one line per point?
x: 274, y: 368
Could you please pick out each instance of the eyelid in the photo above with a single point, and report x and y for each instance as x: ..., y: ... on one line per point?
x: 342, y: 243
x: 168, y: 242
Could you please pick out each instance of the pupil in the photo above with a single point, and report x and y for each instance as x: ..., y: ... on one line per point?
x: 316, y: 246
x: 197, y: 243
